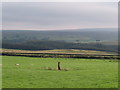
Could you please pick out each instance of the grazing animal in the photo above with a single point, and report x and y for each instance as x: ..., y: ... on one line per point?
x: 17, y: 64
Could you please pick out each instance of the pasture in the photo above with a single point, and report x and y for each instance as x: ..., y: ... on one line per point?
x: 29, y: 72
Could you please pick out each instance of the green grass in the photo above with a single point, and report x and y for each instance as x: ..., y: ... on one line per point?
x: 43, y: 73
x: 1, y: 73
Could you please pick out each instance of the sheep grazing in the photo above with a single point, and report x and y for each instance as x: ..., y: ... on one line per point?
x: 0, y: 64
x: 17, y: 64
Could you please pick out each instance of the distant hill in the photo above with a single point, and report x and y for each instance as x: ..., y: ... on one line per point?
x: 81, y: 35
x: 83, y: 39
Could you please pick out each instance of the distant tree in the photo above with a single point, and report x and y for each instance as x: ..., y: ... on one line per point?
x: 97, y: 41
x: 77, y: 41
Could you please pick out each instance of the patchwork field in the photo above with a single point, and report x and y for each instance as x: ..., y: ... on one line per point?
x: 61, y: 53
x: 29, y: 72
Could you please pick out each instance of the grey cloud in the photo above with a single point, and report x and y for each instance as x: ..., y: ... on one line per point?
x: 58, y: 14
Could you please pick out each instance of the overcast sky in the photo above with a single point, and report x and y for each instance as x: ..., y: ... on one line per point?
x: 59, y: 15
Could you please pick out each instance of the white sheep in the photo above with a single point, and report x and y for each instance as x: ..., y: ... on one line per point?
x: 17, y: 64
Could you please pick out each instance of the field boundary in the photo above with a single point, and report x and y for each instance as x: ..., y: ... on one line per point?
x: 62, y: 55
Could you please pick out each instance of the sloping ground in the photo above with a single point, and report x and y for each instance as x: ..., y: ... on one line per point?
x: 59, y: 51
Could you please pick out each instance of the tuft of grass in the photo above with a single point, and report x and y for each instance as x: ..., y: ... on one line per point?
x: 49, y: 68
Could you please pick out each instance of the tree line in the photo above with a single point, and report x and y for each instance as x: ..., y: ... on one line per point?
x: 49, y: 45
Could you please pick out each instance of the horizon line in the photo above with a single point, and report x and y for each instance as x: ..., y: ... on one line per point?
x: 58, y: 29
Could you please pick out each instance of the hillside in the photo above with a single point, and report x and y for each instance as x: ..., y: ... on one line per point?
x: 101, y: 39
x: 83, y: 35
x: 60, y: 53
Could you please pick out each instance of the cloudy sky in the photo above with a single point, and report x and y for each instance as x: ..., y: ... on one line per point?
x: 59, y: 15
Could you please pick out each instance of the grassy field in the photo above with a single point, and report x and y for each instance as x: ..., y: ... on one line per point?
x: 43, y: 73
x: 65, y: 51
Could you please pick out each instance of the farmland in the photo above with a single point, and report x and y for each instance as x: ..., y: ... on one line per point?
x: 59, y: 45
x: 35, y: 72
x: 61, y: 53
